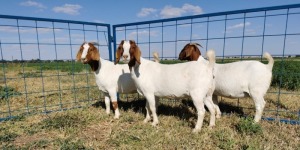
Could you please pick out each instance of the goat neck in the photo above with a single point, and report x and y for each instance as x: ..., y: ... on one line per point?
x: 94, y: 64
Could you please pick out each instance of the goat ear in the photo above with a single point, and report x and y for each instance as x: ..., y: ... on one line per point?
x: 135, y: 54
x: 135, y: 51
x: 119, y: 52
x: 189, y: 50
x: 79, y: 53
x: 94, y: 53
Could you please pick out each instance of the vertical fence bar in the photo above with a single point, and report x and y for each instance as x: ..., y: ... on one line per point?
x: 263, y: 36
x: 243, y: 39
x: 73, y: 78
x: 109, y: 39
x: 207, y: 29
x: 191, y: 31
x: 282, y: 62
x: 41, y: 66
x: 162, y: 39
x: 224, y: 39
x: 57, y: 68
x: 149, y: 41
x: 5, y: 82
x: 87, y: 73
x: 23, y: 70
x: 176, y: 38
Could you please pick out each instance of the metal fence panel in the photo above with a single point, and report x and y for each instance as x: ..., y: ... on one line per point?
x: 234, y: 35
x: 39, y: 73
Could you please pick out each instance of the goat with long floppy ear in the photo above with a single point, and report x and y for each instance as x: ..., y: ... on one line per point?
x: 111, y: 79
x: 91, y: 55
x: 190, y: 52
x: 79, y: 53
x: 237, y: 79
x: 135, y: 54
x: 95, y: 55
x: 119, y: 52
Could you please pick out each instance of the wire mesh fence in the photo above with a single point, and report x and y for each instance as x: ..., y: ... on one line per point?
x: 38, y: 69
x: 234, y: 35
x: 39, y: 73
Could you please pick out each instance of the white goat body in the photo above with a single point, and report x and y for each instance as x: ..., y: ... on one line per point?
x: 110, y: 78
x: 243, y: 79
x: 192, y: 79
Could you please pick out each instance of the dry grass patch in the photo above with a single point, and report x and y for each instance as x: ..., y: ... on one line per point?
x: 91, y: 128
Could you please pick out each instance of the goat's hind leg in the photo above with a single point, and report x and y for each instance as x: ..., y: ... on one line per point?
x: 259, y: 106
x: 198, y: 100
x: 210, y: 105
x: 216, y: 105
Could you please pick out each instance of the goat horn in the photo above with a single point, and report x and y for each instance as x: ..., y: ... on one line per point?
x: 95, y: 43
x: 196, y: 44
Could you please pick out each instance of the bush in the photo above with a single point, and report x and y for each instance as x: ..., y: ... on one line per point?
x: 6, y: 92
x: 247, y: 126
x: 288, y: 73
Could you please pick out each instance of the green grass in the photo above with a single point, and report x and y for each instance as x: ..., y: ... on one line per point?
x: 6, y: 92
x: 91, y: 128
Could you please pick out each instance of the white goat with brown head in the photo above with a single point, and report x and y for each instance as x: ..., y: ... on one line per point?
x: 110, y: 78
x: 153, y: 80
x: 237, y: 79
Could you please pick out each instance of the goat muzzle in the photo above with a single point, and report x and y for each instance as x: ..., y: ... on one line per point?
x: 84, y: 60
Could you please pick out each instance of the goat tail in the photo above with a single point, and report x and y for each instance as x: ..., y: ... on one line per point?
x: 270, y: 59
x: 155, y: 56
x: 211, y: 57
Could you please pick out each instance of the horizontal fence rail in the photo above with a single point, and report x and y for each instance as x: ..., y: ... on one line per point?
x: 38, y: 69
x: 234, y: 35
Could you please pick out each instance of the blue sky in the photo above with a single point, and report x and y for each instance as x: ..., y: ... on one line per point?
x: 119, y: 12
x: 126, y: 11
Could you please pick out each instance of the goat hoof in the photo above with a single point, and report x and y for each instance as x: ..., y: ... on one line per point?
x: 146, y: 120
x: 116, y: 117
x: 210, y: 127
x: 154, y: 124
x: 196, y: 130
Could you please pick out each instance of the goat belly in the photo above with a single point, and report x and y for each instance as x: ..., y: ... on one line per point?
x: 172, y: 96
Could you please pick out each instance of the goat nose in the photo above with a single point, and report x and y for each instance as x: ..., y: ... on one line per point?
x: 125, y: 56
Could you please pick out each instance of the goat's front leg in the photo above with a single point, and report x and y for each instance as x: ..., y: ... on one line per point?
x: 148, y: 118
x: 107, y: 103
x: 151, y: 102
x: 113, y: 97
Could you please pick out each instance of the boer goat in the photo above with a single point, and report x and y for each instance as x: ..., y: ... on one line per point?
x: 237, y: 79
x: 110, y: 78
x: 153, y: 80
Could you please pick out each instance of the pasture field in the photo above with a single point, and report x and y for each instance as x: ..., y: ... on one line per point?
x: 31, y: 90
x: 91, y: 128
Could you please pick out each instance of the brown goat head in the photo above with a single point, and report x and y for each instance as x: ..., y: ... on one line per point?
x: 129, y: 51
x: 88, y: 53
x: 135, y: 54
x: 190, y: 52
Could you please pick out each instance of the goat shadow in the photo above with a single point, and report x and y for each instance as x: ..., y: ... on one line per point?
x: 183, y: 109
